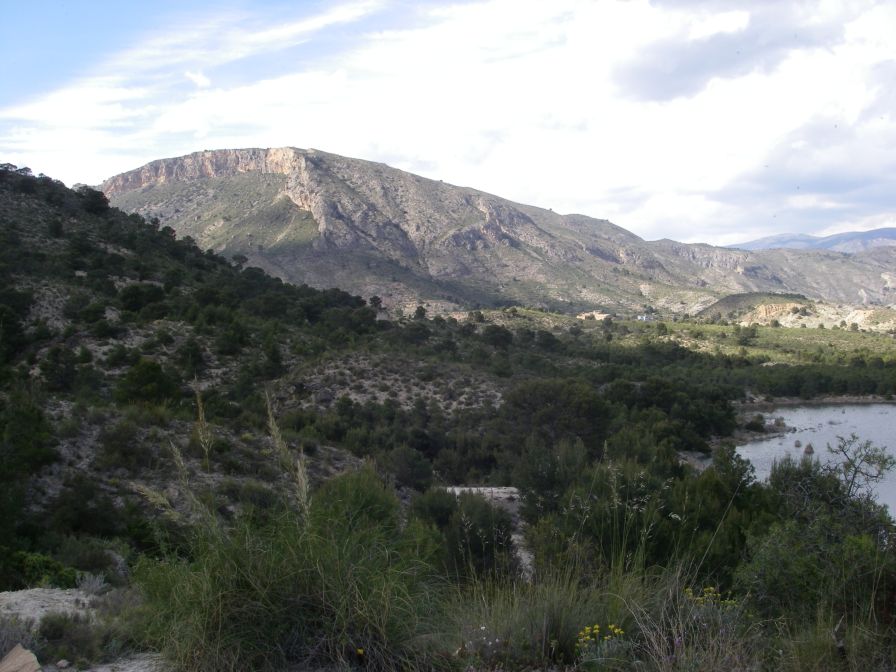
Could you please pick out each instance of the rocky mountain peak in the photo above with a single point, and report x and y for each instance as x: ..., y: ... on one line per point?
x: 313, y: 217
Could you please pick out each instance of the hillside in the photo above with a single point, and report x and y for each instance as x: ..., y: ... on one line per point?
x: 243, y: 474
x: 307, y: 216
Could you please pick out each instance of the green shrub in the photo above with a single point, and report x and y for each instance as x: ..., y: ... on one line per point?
x: 410, y: 467
x: 25, y: 438
x: 84, y: 508
x: 119, y: 447
x: 146, y: 381
x: 136, y: 296
x: 190, y: 357
x: 829, y: 550
x: 69, y: 636
x: 20, y: 569
x: 121, y: 355
x: 105, y: 329
x: 354, y: 502
x: 497, y: 336
x: 435, y: 506
x: 148, y: 415
x: 80, y: 308
x: 345, y: 587
x: 87, y: 554
x: 259, y: 496
x: 59, y: 369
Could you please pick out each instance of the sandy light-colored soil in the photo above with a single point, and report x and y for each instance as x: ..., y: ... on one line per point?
x: 33, y: 604
x: 30, y: 606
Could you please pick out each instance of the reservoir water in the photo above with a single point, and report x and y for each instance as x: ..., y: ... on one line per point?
x: 820, y: 426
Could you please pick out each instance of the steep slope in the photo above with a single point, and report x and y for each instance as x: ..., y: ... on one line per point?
x: 317, y: 218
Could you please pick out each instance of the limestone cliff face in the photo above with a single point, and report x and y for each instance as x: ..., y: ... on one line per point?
x: 217, y: 163
x: 369, y: 228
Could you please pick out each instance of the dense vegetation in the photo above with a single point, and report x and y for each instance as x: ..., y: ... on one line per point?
x: 158, y: 407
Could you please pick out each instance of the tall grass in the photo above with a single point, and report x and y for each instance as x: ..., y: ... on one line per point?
x: 831, y: 643
x: 696, y: 629
x: 336, y: 580
x: 516, y: 624
x: 648, y: 620
x: 321, y: 591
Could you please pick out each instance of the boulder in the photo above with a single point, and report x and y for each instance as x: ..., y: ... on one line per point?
x: 19, y: 659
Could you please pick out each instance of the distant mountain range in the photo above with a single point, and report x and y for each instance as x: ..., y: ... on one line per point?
x: 851, y: 241
x: 312, y: 217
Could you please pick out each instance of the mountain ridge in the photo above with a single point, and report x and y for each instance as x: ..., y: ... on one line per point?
x: 313, y: 217
x: 847, y: 241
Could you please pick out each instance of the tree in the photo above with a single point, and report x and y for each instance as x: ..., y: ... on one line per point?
x: 420, y: 313
x: 94, y: 202
x: 829, y: 548
x: 553, y: 409
x: 497, y: 336
x: 136, y: 296
x: 859, y: 464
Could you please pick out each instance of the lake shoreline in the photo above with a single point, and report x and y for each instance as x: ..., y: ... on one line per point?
x: 746, y: 410
x: 770, y: 404
x: 791, y: 428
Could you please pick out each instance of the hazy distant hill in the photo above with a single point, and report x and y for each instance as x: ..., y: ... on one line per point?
x: 312, y: 217
x: 850, y: 241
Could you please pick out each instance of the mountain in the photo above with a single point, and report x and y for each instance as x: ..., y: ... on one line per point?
x: 312, y: 217
x: 850, y: 241
x: 792, y: 241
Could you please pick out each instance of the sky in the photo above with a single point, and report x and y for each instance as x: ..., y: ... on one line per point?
x: 696, y: 120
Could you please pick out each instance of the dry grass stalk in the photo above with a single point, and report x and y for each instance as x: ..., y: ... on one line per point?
x: 296, y: 468
x: 156, y: 499
x: 203, y: 431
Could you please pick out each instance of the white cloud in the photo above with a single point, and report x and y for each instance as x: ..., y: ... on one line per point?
x: 198, y: 79
x: 723, y: 22
x: 228, y: 37
x: 514, y: 97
